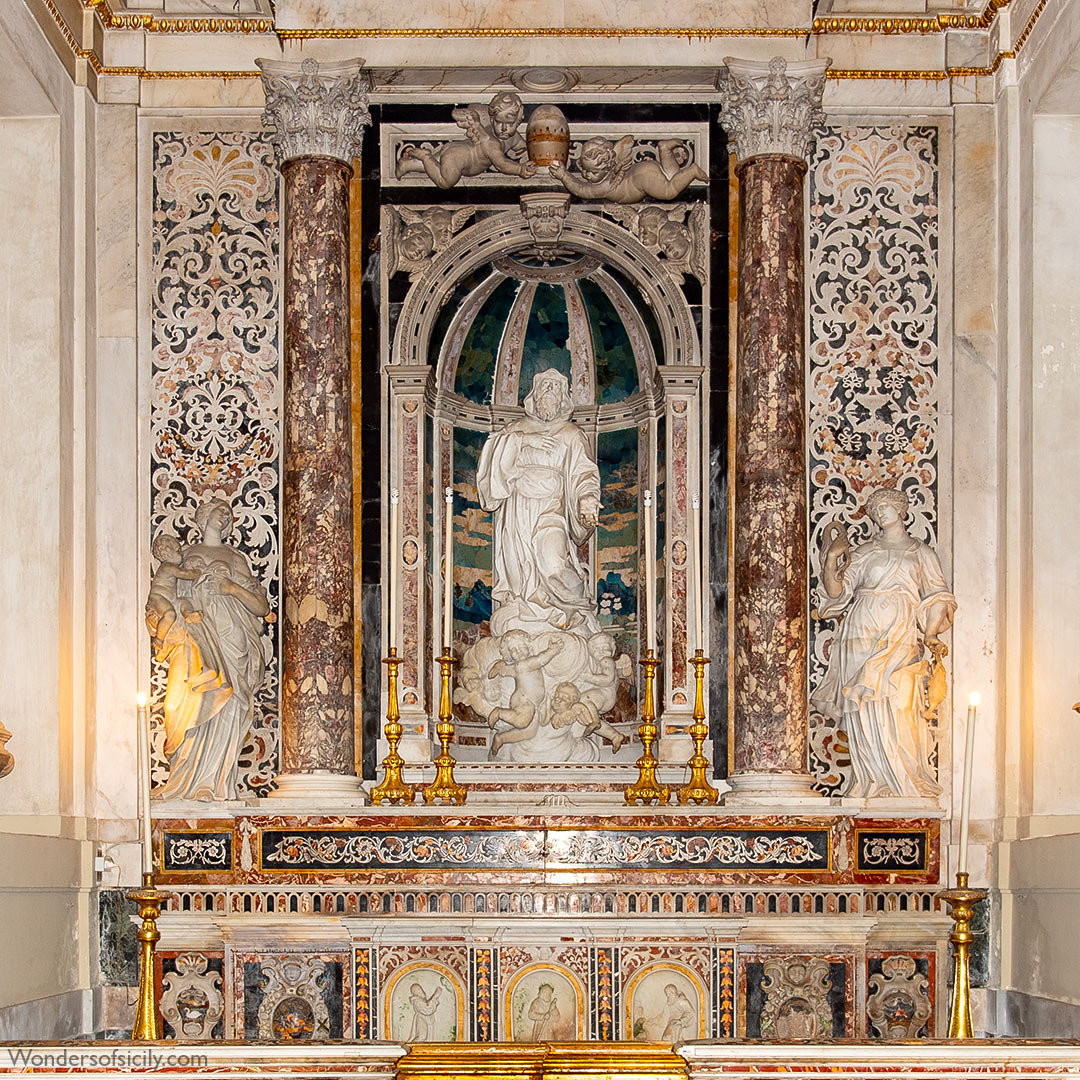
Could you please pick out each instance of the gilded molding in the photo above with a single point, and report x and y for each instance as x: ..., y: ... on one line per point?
x: 941, y: 22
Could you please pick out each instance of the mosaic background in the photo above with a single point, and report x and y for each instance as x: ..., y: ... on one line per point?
x: 872, y: 369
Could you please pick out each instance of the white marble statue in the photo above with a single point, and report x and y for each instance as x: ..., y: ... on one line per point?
x: 541, y: 482
x: 889, y: 590
x: 205, y: 613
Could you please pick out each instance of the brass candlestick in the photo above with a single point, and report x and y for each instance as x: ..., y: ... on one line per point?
x: 444, y: 786
x: 961, y: 901
x: 647, y: 788
x: 149, y: 899
x: 393, y: 789
x: 698, y: 789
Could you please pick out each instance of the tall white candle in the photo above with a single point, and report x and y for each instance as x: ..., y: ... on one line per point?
x: 965, y: 798
x: 144, y: 784
x: 448, y: 569
x: 650, y: 572
x: 698, y: 583
x: 391, y: 628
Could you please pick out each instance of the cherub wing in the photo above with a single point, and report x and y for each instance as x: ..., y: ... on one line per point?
x: 624, y: 215
x: 698, y: 225
x: 459, y: 217
x: 624, y: 154
x: 410, y: 216
x: 388, y: 243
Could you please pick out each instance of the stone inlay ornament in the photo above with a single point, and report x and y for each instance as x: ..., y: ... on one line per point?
x: 316, y: 108
x: 874, y: 384
x: 772, y: 108
x: 357, y: 849
x: 898, y: 1003
x: 192, y: 1001
x: 198, y: 851
x: 883, y: 852
x: 796, y: 999
x: 214, y: 389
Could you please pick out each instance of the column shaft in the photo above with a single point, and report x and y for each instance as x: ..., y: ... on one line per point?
x: 769, y: 679
x: 318, y: 112
x: 317, y: 535
x: 771, y: 112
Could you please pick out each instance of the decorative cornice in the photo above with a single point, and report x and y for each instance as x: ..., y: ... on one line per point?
x: 316, y: 109
x: 922, y: 25
x: 772, y: 108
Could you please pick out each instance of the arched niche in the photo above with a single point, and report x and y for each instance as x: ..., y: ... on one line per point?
x: 483, y: 289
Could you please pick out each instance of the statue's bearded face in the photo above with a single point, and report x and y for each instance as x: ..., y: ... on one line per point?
x: 549, y: 401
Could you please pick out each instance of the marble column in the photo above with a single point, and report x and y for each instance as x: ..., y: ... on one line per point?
x: 770, y: 112
x: 317, y: 112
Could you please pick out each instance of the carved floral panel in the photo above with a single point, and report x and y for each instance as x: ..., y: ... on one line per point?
x: 873, y: 353
x: 214, y: 367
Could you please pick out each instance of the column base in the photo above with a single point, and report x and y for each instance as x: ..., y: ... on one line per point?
x: 319, y: 786
x: 753, y: 788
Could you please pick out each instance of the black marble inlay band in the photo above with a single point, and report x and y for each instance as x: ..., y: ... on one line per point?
x: 797, y: 850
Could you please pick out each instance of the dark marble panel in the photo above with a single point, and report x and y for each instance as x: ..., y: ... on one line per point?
x: 118, y: 950
x: 314, y: 849
x: 185, y: 850
x: 880, y: 851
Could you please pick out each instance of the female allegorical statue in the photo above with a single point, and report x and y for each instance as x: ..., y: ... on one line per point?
x: 212, y: 639
x: 891, y: 589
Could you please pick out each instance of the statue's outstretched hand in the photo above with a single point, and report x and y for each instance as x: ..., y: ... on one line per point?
x: 589, y: 510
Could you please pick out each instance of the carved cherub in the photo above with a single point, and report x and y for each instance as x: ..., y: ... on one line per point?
x: 607, y: 171
x: 525, y: 667
x: 482, y: 150
x: 415, y: 235
x: 568, y: 706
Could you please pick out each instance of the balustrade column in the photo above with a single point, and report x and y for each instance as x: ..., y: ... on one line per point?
x: 770, y: 112
x: 317, y: 112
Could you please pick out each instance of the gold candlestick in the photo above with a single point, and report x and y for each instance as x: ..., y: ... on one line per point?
x: 698, y: 789
x: 961, y: 901
x: 444, y: 786
x: 647, y: 788
x: 149, y: 899
x: 393, y: 789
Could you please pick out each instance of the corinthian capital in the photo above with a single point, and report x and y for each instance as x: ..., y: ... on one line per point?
x: 772, y: 108
x: 316, y: 108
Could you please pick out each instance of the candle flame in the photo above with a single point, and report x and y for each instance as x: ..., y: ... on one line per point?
x: 140, y: 700
x: 974, y: 699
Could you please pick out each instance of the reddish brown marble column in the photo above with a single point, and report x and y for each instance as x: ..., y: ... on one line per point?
x: 318, y: 112
x: 770, y: 116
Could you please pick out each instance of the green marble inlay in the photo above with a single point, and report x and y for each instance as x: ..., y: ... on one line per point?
x: 616, y: 368
x: 546, y: 336
x: 475, y: 378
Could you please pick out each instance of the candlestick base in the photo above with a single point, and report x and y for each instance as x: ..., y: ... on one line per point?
x: 961, y: 901
x: 393, y: 788
x: 444, y: 786
x: 647, y: 788
x: 698, y: 789
x: 147, y: 1020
